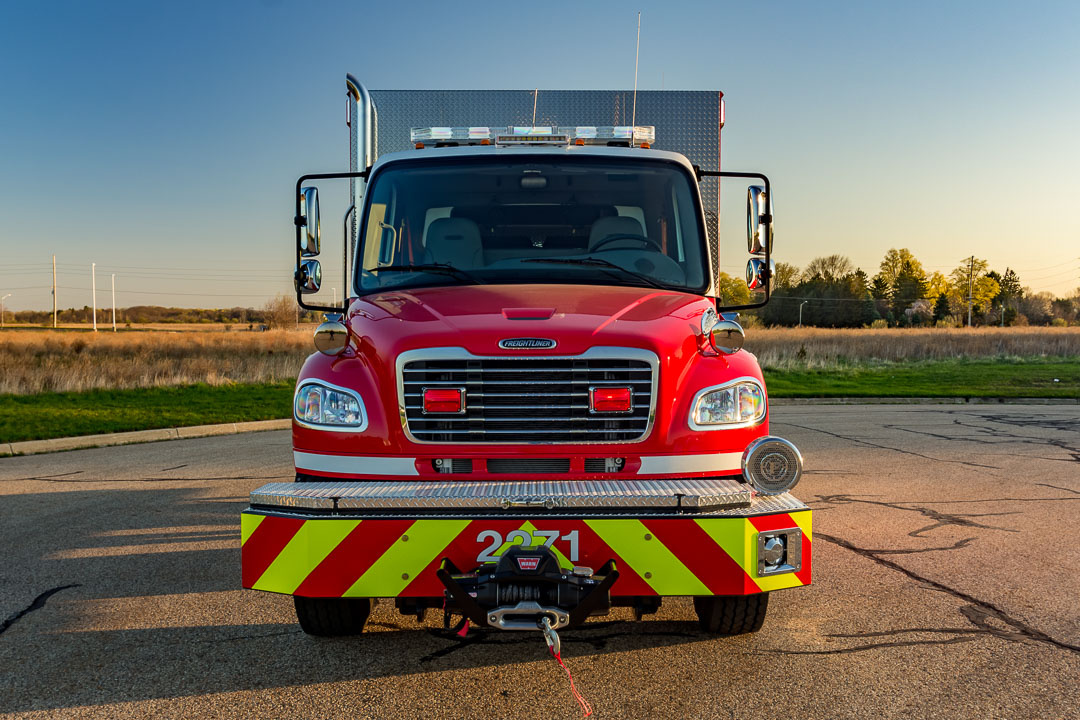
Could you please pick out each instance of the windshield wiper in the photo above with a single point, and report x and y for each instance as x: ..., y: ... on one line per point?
x: 436, y: 268
x: 599, y: 262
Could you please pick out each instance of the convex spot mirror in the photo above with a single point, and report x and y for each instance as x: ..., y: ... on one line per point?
x: 332, y: 336
x: 727, y: 337
x: 758, y: 220
x: 757, y: 276
x: 308, y: 278
x: 310, y: 233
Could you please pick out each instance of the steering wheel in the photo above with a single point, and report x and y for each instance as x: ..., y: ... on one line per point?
x: 645, y: 241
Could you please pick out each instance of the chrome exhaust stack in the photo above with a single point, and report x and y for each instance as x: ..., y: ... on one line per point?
x: 363, y: 121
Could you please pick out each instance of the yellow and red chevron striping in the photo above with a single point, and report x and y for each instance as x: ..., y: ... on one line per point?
x: 339, y: 557
x: 347, y: 562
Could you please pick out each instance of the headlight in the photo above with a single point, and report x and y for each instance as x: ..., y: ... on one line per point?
x: 739, y: 403
x: 329, y: 407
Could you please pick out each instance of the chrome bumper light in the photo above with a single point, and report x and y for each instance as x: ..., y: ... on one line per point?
x: 779, y: 551
x: 772, y: 465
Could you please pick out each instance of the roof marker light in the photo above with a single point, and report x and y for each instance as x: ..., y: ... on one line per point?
x: 637, y: 135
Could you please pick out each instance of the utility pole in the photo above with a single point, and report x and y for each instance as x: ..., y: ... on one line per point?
x: 971, y: 272
x: 2, y: 299
x: 800, y: 311
x: 114, y: 302
x: 93, y: 290
x: 54, y: 292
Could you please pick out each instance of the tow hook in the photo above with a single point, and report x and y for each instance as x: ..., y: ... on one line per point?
x: 527, y: 588
x: 550, y: 636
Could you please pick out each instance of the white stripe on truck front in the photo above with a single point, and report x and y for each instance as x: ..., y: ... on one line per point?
x: 355, y: 464
x: 401, y: 466
x: 674, y: 464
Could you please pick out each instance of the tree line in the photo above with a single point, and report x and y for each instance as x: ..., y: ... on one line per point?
x: 832, y: 292
x: 279, y: 312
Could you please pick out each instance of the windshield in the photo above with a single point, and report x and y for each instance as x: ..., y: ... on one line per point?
x: 530, y: 219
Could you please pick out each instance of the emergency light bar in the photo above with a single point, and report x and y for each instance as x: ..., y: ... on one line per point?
x: 632, y: 136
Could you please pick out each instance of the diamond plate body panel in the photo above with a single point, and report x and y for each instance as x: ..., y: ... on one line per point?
x: 686, y: 121
x: 584, y: 495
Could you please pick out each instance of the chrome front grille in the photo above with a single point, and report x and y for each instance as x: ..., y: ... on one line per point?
x: 527, y: 399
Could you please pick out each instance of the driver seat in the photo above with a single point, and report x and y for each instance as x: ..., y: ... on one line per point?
x: 455, y: 242
x: 616, y: 225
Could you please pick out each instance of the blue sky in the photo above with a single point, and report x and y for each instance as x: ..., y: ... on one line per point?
x: 162, y: 140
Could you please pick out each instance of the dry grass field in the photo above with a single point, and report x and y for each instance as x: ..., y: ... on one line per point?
x: 35, y: 361
x: 823, y: 348
x: 63, y: 361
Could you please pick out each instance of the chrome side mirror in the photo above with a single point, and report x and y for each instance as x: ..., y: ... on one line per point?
x: 727, y: 337
x: 308, y: 277
x: 332, y: 337
x: 758, y: 220
x: 757, y: 276
x: 309, y: 210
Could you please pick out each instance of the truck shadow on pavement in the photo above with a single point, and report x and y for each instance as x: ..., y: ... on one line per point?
x: 72, y: 669
x: 126, y: 595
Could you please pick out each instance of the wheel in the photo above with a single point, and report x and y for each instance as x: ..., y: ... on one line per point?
x: 328, y: 617
x: 732, y: 615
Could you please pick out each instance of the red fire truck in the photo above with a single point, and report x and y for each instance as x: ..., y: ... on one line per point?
x: 532, y: 406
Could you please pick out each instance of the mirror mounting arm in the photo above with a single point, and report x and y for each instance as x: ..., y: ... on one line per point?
x: 768, y: 247
x: 300, y: 221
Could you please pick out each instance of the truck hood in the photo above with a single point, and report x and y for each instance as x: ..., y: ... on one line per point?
x: 478, y: 317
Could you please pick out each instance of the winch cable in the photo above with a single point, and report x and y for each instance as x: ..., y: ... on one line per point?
x: 555, y: 648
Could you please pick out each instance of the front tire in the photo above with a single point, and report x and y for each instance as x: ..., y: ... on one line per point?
x: 732, y: 615
x: 329, y: 617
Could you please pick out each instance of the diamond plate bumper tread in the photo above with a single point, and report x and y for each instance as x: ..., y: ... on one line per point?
x: 585, y: 495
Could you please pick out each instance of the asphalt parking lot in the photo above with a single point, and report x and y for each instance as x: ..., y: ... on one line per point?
x: 946, y: 584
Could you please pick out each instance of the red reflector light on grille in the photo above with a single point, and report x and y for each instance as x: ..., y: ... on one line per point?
x: 444, y: 400
x: 610, y: 400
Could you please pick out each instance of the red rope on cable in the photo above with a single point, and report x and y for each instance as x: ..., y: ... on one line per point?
x: 586, y: 708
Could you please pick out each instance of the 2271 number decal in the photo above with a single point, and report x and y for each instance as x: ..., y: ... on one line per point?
x: 522, y: 537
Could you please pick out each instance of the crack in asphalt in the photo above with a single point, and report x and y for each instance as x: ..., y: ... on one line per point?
x: 955, y: 546
x: 877, y: 646
x: 49, y: 477
x: 37, y: 604
x: 1065, y: 489
x: 980, y: 613
x: 1067, y: 425
x: 941, y: 519
x: 888, y: 447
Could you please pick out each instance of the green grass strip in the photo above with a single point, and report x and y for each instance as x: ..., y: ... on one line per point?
x: 52, y: 415
x: 950, y: 378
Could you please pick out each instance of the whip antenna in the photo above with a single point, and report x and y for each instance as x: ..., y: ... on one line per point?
x: 637, y: 51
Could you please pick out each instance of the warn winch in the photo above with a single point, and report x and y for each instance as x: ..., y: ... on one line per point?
x: 525, y: 585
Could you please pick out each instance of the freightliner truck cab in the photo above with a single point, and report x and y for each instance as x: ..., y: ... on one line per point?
x: 531, y: 407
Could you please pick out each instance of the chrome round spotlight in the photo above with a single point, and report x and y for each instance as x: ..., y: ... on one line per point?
x: 772, y: 465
